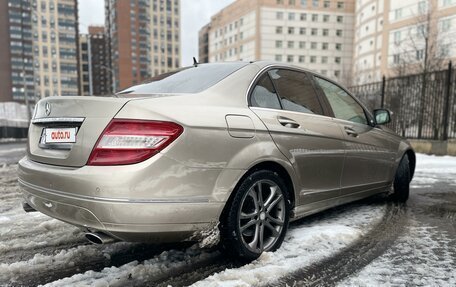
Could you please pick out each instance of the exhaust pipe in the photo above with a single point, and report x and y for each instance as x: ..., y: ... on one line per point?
x: 27, y: 208
x: 99, y: 238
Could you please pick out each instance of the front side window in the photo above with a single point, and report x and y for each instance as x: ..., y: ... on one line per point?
x: 264, y: 95
x: 342, y: 104
x: 296, y: 91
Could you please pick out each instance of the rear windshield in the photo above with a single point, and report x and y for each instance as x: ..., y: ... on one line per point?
x: 187, y: 80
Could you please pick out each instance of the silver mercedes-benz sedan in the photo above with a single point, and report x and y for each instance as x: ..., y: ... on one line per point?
x: 236, y: 149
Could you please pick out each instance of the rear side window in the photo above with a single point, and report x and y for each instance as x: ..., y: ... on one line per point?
x: 187, y: 80
x: 342, y: 104
x: 296, y: 91
x: 264, y: 95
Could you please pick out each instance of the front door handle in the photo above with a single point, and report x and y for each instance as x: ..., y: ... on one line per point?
x: 351, y: 132
x: 289, y: 123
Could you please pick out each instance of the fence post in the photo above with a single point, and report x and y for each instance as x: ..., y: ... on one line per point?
x: 446, y: 105
x: 383, y: 92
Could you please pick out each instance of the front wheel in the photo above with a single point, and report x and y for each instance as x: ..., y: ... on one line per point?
x: 401, y: 185
x: 257, y: 219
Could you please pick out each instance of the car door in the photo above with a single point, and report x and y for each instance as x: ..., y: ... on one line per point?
x: 287, y: 103
x: 368, y: 160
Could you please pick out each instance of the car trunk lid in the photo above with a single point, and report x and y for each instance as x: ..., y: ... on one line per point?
x: 87, y: 117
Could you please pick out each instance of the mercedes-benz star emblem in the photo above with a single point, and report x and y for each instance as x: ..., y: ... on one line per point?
x: 47, y: 108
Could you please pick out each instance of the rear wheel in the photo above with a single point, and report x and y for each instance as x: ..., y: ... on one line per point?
x: 401, y: 185
x: 258, y: 216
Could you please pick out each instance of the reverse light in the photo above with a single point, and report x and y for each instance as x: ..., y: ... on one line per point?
x: 132, y: 141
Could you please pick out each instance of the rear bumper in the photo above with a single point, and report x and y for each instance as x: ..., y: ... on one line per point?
x: 78, y: 197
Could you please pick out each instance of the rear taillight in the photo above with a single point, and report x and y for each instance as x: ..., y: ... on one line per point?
x: 132, y: 141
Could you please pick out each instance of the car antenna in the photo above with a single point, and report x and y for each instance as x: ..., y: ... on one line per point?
x: 195, y: 62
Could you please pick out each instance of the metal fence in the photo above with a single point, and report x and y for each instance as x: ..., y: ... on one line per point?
x: 423, y: 106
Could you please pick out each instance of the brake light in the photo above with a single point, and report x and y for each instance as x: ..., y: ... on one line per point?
x: 132, y: 141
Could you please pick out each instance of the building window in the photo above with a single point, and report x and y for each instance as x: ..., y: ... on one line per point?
x: 290, y: 58
x: 422, y: 7
x: 290, y: 44
x: 326, y: 4
x: 291, y: 16
x: 302, y: 59
x: 398, y: 13
x: 313, y: 59
x: 337, y: 60
x: 315, y: 3
x: 397, y: 37
x: 325, y: 18
x: 313, y: 45
x: 291, y: 30
x: 324, y: 60
x: 278, y: 58
x: 304, y: 3
x: 446, y: 25
x: 302, y: 31
x: 338, y: 46
x: 324, y: 46
x: 325, y: 32
x: 292, y: 2
x: 314, y: 32
x: 279, y: 15
x: 340, y: 19
x: 396, y: 59
x: 279, y: 30
x: 420, y: 55
x: 303, y: 17
x: 337, y: 73
x: 279, y: 2
x: 339, y: 33
x: 278, y: 44
x: 340, y: 5
x: 302, y: 45
x: 314, y: 17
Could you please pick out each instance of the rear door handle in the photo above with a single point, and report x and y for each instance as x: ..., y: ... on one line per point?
x: 351, y: 132
x: 289, y: 123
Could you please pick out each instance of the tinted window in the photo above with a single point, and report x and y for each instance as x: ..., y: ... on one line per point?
x: 295, y: 91
x: 187, y: 80
x: 342, y: 104
x: 264, y: 95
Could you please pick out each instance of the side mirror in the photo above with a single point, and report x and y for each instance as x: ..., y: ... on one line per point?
x: 382, y: 116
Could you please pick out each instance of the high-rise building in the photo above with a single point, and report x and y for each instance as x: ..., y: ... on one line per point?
x: 203, y: 41
x: 101, y: 72
x: 144, y: 39
x: 390, y: 37
x: 39, y: 49
x: 314, y: 34
x: 55, y: 47
x: 16, y: 53
x: 85, y: 75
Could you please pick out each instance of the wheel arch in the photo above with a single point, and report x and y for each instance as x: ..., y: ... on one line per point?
x: 264, y: 165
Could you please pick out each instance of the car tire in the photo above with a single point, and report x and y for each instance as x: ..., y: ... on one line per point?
x: 401, y: 185
x: 253, y: 224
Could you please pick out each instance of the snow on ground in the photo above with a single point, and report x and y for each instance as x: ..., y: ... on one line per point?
x: 426, y: 254
x: 304, y: 244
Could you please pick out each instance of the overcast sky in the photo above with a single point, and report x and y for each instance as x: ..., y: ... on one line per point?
x: 195, y: 14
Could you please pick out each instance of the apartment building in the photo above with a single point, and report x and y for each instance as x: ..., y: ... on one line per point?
x: 314, y: 34
x: 144, y: 39
x: 85, y: 75
x: 39, y: 49
x: 390, y: 36
x: 55, y: 47
x: 101, y: 73
x: 203, y: 41
x: 16, y: 52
